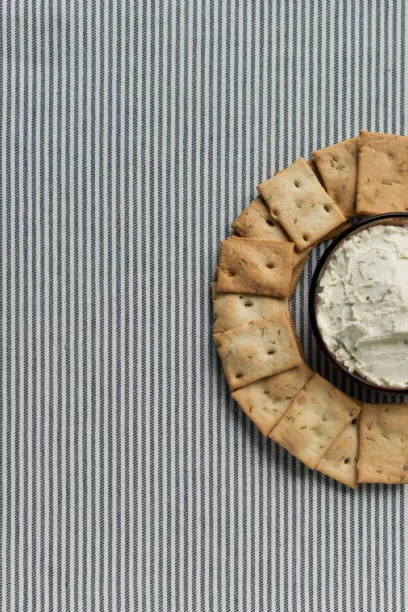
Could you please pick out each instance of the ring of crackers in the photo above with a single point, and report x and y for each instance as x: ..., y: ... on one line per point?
x: 259, y: 267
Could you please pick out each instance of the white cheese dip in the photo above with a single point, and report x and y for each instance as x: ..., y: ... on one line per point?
x: 362, y: 305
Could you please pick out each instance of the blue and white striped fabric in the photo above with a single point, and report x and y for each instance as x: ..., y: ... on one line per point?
x: 132, y: 134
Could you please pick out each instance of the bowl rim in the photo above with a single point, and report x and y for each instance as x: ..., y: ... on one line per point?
x: 356, y: 378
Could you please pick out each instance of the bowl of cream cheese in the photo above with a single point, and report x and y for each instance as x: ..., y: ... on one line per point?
x: 359, y: 302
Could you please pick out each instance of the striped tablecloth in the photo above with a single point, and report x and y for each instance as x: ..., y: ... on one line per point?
x: 132, y: 134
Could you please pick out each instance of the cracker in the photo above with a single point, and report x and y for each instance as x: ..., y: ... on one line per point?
x: 298, y: 258
x: 313, y: 166
x: 383, y: 444
x: 234, y: 309
x: 266, y: 400
x: 337, y: 167
x: 336, y: 232
x: 298, y: 201
x: 370, y: 137
x: 255, y: 266
x: 255, y: 221
x: 340, y: 461
x: 296, y: 274
x: 383, y: 174
x: 316, y: 417
x: 258, y: 349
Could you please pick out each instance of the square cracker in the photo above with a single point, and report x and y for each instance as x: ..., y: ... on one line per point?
x: 298, y: 201
x: 340, y: 461
x: 383, y: 444
x: 382, y: 174
x: 255, y: 221
x: 316, y: 417
x: 234, y: 309
x: 336, y: 232
x: 369, y: 137
x: 266, y: 400
x: 337, y: 167
x: 255, y: 266
x: 258, y: 349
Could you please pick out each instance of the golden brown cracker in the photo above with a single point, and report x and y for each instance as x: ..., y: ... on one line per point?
x: 266, y: 400
x: 383, y: 174
x: 298, y: 201
x: 383, y: 444
x: 258, y: 349
x: 316, y: 417
x: 340, y: 461
x: 337, y: 166
x: 234, y: 309
x: 261, y: 267
x: 255, y: 221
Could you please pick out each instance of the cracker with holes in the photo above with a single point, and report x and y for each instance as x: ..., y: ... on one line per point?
x: 370, y: 137
x: 234, y: 309
x: 336, y: 232
x: 340, y: 461
x: 256, y: 222
x: 258, y: 349
x: 383, y: 444
x: 261, y: 267
x: 337, y: 166
x: 265, y: 401
x: 383, y: 174
x: 315, y: 419
x: 298, y: 201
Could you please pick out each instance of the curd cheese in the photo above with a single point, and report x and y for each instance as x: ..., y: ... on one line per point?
x: 362, y: 305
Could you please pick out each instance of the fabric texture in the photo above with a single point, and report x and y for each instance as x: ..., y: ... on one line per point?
x: 132, y: 134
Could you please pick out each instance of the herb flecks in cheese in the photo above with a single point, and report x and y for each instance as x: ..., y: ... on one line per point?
x: 362, y: 305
